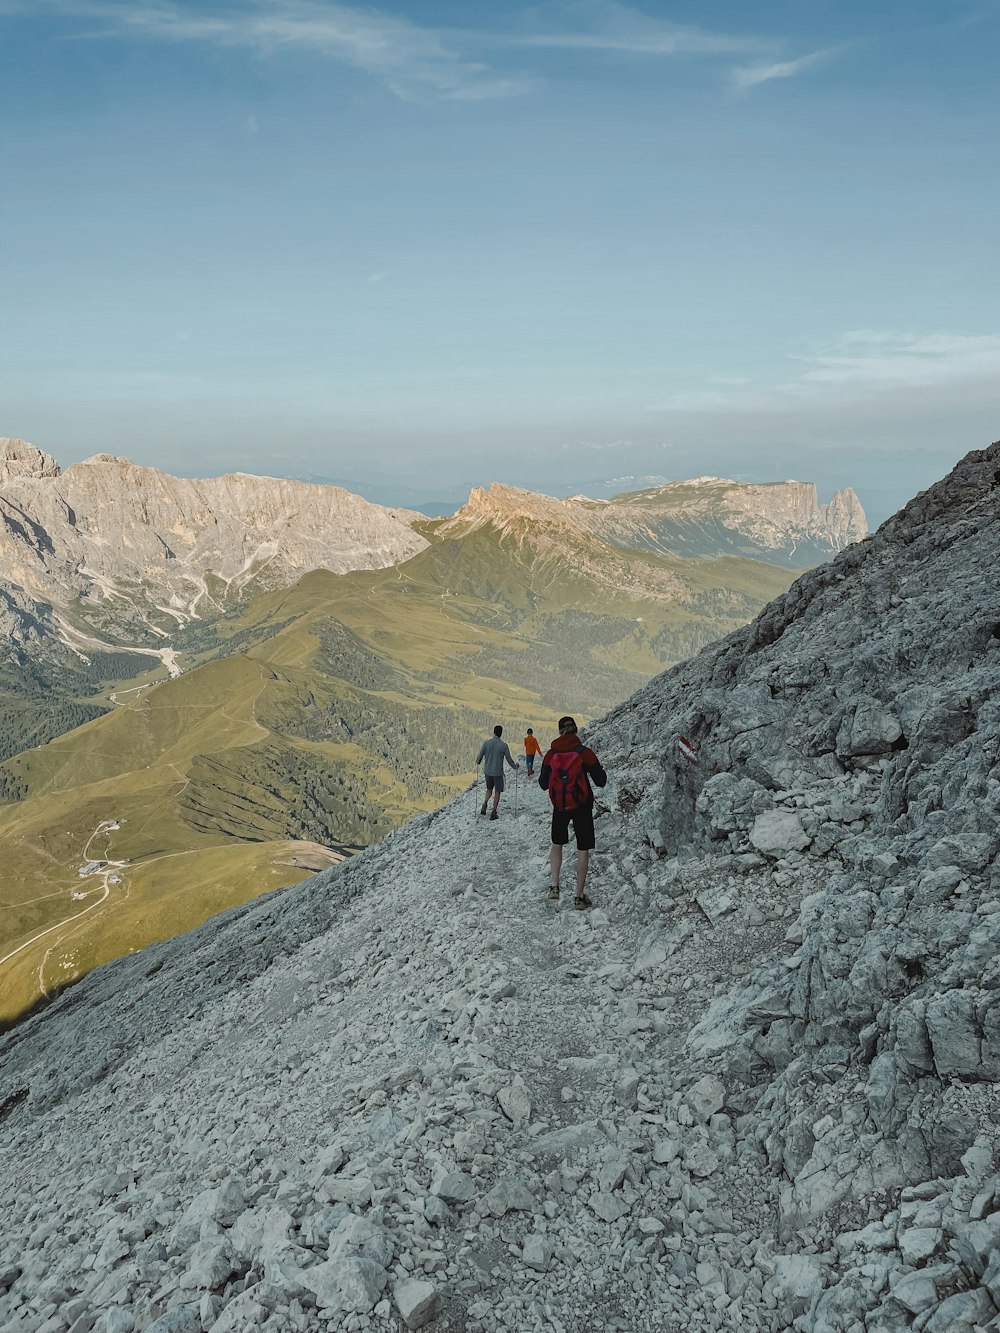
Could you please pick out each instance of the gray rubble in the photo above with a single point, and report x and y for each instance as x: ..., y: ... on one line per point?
x: 755, y: 1089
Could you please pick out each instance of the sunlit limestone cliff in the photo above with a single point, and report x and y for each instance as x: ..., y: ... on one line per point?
x: 129, y: 548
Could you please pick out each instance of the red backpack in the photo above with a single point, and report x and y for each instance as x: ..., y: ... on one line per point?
x: 568, y: 785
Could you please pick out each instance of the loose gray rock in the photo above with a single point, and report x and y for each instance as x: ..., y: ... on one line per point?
x: 416, y: 1301
x: 455, y: 1187
x: 705, y: 1097
x: 537, y: 1252
x: 508, y: 1195
x: 776, y: 832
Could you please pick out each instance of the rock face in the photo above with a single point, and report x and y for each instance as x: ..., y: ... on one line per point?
x: 133, y: 547
x: 20, y: 459
x: 754, y: 1089
x: 781, y: 522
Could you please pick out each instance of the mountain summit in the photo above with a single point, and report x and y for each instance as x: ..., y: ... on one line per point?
x: 755, y: 1089
x: 781, y: 522
x: 20, y: 459
x: 132, y: 551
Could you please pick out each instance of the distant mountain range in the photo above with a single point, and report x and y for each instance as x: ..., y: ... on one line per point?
x: 781, y: 522
x: 213, y: 687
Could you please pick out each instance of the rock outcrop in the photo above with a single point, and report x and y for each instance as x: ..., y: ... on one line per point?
x: 754, y: 1089
x: 18, y: 458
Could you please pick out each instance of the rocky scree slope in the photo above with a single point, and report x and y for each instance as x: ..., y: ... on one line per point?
x: 754, y: 1089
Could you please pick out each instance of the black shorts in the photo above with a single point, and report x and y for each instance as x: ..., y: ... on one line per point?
x: 582, y: 819
x: 492, y: 782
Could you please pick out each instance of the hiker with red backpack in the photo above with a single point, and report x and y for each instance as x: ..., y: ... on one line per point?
x: 568, y: 769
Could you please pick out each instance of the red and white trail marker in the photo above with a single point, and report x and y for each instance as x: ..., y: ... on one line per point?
x: 688, y: 749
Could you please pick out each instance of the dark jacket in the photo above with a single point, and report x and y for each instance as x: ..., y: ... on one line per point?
x: 592, y: 769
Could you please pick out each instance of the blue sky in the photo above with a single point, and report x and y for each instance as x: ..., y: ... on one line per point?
x: 565, y: 245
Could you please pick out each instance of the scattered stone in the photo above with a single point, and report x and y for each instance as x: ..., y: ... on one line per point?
x: 777, y: 832
x: 700, y: 1160
x: 705, y: 1097
x: 416, y: 1301
x: 608, y: 1207
x: 515, y: 1103
x: 507, y: 1195
x: 455, y: 1187
x: 351, y: 1284
x: 537, y: 1252
x: 571, y: 1139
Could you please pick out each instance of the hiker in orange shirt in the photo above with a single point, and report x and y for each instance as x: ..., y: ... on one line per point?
x: 531, y: 748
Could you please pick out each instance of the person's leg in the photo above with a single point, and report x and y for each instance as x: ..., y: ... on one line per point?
x: 583, y: 828
x: 555, y: 864
x: 560, y: 836
x: 486, y: 798
x: 582, y: 866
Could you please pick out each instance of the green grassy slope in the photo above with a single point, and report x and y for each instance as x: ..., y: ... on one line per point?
x: 326, y: 714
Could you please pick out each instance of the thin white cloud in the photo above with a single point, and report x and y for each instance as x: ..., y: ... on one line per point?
x: 745, y: 77
x: 861, y: 364
x: 415, y: 61
x: 873, y: 359
x: 605, y: 25
x: 411, y: 60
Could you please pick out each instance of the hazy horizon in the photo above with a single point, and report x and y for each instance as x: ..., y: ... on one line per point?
x: 411, y: 491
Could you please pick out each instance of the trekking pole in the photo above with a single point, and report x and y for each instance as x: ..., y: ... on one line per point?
x: 517, y: 774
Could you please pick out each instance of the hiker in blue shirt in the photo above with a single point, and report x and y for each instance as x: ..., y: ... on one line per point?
x: 495, y: 752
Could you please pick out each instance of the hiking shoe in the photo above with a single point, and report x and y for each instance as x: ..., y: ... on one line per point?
x: 482, y: 808
x: 494, y: 815
x: 581, y: 904
x: 554, y: 891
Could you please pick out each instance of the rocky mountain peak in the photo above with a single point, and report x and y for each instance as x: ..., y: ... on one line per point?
x: 110, y: 458
x: 18, y: 458
x: 503, y: 505
x: 128, y: 542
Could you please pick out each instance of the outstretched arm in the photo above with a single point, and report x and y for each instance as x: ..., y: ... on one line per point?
x: 507, y: 755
